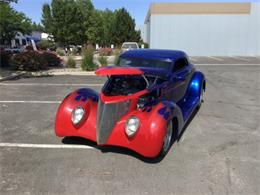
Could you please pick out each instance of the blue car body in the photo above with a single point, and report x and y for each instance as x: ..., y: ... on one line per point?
x: 143, y: 106
x: 185, y: 83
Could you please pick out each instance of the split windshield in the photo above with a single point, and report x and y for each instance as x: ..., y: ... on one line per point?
x: 139, y: 62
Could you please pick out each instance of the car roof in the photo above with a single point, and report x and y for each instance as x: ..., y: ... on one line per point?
x: 154, y: 54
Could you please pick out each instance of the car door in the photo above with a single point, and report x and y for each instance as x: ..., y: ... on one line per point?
x: 182, y: 72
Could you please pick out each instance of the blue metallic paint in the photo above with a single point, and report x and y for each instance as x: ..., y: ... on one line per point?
x: 84, y: 94
x: 193, y: 80
x: 191, y: 98
x: 154, y: 54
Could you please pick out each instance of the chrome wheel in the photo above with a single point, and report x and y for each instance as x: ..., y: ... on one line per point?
x: 201, y: 97
x: 167, y: 138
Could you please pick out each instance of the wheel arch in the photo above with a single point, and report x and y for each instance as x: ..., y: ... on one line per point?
x: 197, y: 83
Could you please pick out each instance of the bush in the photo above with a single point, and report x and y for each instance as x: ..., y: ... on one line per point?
x: 29, y: 61
x: 74, y: 51
x: 29, y: 48
x: 103, y: 60
x: 34, y: 60
x: 88, y: 46
x: 87, y: 61
x: 117, y: 53
x: 51, y: 58
x: 71, y: 63
x: 5, y: 57
x: 105, y: 51
x: 45, y: 44
x: 60, y: 52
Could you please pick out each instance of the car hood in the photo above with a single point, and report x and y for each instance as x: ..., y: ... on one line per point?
x: 121, y: 70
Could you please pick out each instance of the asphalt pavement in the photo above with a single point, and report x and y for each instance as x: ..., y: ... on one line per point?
x: 217, y: 154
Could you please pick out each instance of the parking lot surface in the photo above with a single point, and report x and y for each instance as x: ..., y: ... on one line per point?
x: 217, y: 154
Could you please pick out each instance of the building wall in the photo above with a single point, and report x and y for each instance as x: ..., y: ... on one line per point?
x: 143, y: 31
x: 207, y: 34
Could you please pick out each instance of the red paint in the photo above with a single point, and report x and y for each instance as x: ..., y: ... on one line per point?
x: 113, y: 99
x: 147, y: 141
x: 118, y: 71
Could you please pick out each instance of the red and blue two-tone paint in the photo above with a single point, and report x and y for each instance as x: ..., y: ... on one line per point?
x: 143, y: 106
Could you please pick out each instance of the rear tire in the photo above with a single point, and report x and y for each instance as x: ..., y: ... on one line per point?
x: 201, y: 97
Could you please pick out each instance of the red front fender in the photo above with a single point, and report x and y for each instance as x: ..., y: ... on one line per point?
x: 148, y: 140
x: 63, y: 123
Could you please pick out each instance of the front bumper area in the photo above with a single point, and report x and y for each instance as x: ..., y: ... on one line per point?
x: 147, y: 141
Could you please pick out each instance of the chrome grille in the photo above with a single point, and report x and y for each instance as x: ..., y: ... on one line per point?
x: 107, y: 116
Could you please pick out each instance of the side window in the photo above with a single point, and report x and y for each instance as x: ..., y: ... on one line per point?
x: 180, y: 64
x: 24, y: 41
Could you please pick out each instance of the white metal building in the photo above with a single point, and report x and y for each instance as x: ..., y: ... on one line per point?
x: 205, y: 29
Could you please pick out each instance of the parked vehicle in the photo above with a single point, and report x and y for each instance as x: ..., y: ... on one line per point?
x: 143, y: 105
x: 126, y: 46
x: 15, y: 49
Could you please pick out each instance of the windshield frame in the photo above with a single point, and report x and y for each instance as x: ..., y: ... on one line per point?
x: 168, y: 63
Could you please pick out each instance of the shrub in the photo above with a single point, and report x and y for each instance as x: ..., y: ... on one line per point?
x: 105, y: 51
x: 117, y: 53
x: 71, y: 63
x: 51, y: 58
x: 60, y: 52
x: 29, y: 61
x: 87, y: 61
x: 88, y: 46
x: 103, y: 60
x: 5, y: 57
x: 74, y: 51
x: 45, y: 44
x: 29, y: 48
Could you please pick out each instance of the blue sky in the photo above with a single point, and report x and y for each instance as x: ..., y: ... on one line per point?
x: 137, y: 8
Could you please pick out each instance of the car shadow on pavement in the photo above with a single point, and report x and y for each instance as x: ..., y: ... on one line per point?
x: 108, y: 149
x: 125, y: 151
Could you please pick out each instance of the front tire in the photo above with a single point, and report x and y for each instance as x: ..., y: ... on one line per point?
x: 167, y: 141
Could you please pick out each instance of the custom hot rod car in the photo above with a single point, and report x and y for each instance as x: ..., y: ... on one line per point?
x: 145, y: 102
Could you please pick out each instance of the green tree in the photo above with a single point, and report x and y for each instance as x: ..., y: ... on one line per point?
x: 108, y: 19
x: 88, y: 12
x: 95, y: 32
x: 124, y: 28
x: 69, y: 21
x: 12, y: 22
x: 47, y: 18
x: 37, y: 27
x: 77, y: 22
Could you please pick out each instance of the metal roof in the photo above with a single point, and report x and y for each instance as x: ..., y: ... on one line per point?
x: 198, y: 8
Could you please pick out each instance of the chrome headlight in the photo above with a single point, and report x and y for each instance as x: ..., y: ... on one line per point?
x: 77, y: 115
x: 132, y: 125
